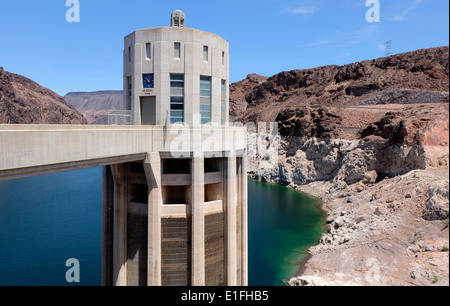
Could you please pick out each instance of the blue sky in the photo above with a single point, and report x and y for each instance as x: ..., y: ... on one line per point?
x: 266, y: 36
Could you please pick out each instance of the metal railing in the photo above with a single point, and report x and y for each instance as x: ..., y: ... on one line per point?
x: 119, y: 117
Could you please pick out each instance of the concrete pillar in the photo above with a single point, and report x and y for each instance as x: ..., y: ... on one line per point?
x: 120, y: 225
x: 152, y: 168
x: 230, y: 207
x: 244, y: 224
x: 198, y: 222
x: 107, y: 226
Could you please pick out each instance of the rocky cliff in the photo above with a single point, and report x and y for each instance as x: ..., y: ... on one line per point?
x: 415, y: 77
x: 96, y: 105
x: 311, y: 147
x: 23, y: 101
x: 370, y: 139
x: 359, y: 122
x: 238, y: 92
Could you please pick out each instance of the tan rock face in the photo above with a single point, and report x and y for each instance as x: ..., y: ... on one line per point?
x: 381, y: 234
x: 23, y: 101
x: 95, y: 106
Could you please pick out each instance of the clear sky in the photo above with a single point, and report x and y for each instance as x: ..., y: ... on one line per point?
x: 266, y: 36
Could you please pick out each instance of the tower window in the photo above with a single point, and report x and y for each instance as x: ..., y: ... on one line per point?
x: 148, y: 51
x: 177, y: 50
x: 130, y: 92
x: 176, y: 98
x: 205, y: 99
x: 129, y: 54
x: 205, y: 53
x: 223, y: 102
x: 223, y: 58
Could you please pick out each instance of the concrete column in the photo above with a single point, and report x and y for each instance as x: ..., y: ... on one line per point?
x: 107, y: 226
x: 198, y: 222
x: 152, y: 167
x: 231, y: 256
x: 120, y: 225
x: 244, y: 225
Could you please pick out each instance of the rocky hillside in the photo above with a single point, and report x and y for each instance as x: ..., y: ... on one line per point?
x: 23, y: 101
x: 307, y: 122
x: 95, y: 105
x: 238, y: 92
x: 413, y: 77
x: 371, y: 140
x: 393, y: 233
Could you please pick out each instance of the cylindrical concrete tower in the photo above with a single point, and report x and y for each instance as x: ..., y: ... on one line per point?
x: 179, y: 217
x: 176, y: 74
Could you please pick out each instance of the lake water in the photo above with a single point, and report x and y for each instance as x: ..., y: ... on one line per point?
x: 48, y: 219
x: 283, y: 224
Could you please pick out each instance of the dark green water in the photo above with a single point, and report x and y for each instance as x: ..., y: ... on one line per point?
x: 47, y: 219
x: 283, y: 223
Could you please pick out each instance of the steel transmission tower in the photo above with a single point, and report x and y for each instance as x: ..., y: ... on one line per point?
x: 388, y: 50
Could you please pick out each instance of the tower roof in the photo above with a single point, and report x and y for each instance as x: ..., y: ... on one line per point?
x: 178, y: 19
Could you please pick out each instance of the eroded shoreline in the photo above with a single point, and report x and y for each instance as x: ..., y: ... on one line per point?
x: 378, y: 235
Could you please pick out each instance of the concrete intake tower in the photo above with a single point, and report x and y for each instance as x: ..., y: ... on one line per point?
x: 179, y: 215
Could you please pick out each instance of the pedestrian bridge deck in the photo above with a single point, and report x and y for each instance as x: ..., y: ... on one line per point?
x: 27, y: 150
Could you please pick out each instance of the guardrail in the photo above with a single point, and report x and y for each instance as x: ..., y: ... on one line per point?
x: 122, y: 117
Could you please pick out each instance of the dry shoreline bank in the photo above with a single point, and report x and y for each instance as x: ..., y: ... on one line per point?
x: 394, y: 246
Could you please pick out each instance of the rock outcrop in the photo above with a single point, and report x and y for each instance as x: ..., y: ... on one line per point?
x: 371, y: 140
x: 306, y: 122
x: 414, y: 77
x: 438, y: 202
x: 23, y: 101
x: 388, y: 233
x: 238, y: 91
x: 415, y: 138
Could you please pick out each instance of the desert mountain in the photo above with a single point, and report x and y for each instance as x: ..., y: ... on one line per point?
x: 23, y: 101
x: 95, y: 106
x: 414, y: 77
x: 238, y: 92
x: 371, y: 140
